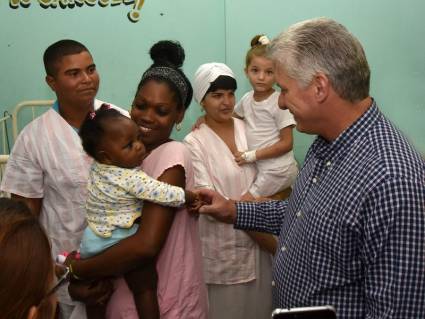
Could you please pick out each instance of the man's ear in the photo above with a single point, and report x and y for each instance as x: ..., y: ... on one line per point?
x: 50, y: 80
x: 321, y: 86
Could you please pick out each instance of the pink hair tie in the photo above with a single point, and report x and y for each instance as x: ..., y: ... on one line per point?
x: 105, y: 106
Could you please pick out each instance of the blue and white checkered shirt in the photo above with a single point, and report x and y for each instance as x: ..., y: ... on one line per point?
x: 352, y: 234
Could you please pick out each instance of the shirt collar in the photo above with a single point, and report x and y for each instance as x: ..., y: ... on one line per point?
x: 55, y: 107
x: 325, y: 150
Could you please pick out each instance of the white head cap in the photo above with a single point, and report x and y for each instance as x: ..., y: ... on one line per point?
x: 205, y: 75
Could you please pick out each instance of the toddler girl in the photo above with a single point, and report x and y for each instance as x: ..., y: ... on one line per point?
x: 268, y: 128
x: 116, y: 190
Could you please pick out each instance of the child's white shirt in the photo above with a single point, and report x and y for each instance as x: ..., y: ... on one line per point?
x: 263, y: 121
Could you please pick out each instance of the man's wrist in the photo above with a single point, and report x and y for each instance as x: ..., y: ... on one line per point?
x: 232, y: 209
x: 242, y: 217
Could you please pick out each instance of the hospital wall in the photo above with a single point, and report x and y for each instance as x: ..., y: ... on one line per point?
x: 391, y: 32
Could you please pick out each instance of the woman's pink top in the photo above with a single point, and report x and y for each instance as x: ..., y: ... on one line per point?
x: 181, y: 288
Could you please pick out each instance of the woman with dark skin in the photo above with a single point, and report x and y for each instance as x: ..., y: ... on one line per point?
x: 166, y: 235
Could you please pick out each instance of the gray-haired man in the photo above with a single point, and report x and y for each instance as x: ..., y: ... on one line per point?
x: 352, y: 234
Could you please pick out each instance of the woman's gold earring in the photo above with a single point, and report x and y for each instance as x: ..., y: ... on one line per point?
x: 178, y: 126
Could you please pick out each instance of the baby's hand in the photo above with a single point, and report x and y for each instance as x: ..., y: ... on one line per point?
x: 194, y: 207
x: 190, y: 198
x: 195, y: 202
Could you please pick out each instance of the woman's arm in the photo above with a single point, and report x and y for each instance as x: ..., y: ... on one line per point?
x: 140, y: 248
x: 267, y: 242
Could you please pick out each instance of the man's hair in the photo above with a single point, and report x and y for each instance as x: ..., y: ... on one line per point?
x: 325, y: 46
x: 55, y: 52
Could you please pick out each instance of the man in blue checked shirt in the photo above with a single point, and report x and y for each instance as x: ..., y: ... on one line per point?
x: 352, y: 234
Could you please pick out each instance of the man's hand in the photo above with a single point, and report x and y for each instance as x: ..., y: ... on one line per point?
x: 217, y: 206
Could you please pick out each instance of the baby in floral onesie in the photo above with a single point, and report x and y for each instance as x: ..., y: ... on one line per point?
x: 117, y: 188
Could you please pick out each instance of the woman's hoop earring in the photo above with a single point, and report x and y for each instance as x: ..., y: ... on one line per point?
x: 178, y: 126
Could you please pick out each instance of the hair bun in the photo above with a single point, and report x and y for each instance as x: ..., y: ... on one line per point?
x: 260, y: 39
x: 255, y: 39
x: 167, y: 52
